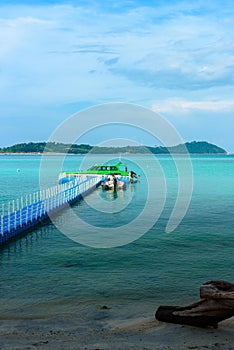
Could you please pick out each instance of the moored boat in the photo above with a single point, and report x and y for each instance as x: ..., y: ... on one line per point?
x: 118, y: 170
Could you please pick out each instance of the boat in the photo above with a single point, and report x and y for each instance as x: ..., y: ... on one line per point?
x: 119, y: 170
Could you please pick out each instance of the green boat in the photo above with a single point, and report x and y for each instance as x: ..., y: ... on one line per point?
x: 107, y: 169
x: 119, y: 169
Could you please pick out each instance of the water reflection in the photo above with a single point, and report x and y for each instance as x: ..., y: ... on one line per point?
x: 24, y: 243
x: 112, y: 194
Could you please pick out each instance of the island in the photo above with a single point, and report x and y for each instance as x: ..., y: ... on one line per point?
x: 195, y: 147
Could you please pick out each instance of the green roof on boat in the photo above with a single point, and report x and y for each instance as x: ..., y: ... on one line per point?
x: 105, y: 169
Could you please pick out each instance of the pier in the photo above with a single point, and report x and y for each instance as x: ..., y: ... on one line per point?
x: 27, y: 212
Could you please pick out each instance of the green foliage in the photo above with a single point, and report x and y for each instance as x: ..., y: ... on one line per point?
x: 25, y: 148
x: 204, y: 147
x: 56, y: 147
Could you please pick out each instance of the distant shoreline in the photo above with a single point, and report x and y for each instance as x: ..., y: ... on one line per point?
x: 116, y: 153
x: 194, y: 147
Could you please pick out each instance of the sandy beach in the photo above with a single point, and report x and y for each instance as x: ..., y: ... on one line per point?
x: 104, y: 333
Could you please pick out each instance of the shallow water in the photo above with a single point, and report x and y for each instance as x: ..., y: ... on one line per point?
x: 45, y: 272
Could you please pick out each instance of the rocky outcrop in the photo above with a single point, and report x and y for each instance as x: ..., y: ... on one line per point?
x: 216, y: 304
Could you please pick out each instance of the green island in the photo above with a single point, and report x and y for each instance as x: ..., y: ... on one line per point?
x: 195, y: 147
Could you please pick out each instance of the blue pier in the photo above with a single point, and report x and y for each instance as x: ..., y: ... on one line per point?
x: 30, y: 211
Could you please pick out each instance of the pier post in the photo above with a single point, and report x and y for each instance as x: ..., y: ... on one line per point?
x: 9, y: 218
x: 21, y: 220
x: 2, y: 225
x: 27, y: 215
x: 15, y: 220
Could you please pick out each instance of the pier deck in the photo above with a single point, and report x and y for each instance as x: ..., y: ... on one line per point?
x: 24, y: 213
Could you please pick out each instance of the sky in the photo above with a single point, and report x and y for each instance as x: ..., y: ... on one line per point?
x: 173, y: 57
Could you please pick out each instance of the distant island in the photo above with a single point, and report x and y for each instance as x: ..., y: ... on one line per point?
x: 195, y: 147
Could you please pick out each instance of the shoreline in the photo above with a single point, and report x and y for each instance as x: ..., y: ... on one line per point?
x: 104, y: 333
x: 98, y: 326
x: 117, y: 153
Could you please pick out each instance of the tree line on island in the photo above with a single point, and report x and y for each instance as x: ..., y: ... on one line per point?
x: 195, y: 147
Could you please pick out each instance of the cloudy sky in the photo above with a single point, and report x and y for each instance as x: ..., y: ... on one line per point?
x: 174, y: 57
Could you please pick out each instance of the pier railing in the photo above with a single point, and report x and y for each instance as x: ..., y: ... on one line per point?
x: 21, y: 214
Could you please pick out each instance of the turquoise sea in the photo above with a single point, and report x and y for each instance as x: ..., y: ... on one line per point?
x: 46, y: 273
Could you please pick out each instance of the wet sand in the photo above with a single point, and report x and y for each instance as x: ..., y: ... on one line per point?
x: 60, y: 332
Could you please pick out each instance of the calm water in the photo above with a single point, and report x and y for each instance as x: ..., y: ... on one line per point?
x: 46, y: 272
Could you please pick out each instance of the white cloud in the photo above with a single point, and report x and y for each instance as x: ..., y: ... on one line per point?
x: 173, y: 54
x: 182, y: 105
x: 66, y: 48
x: 177, y: 54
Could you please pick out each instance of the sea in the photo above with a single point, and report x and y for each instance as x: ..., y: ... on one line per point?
x: 137, y: 264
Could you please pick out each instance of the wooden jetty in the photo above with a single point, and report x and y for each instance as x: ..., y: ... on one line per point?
x: 22, y: 214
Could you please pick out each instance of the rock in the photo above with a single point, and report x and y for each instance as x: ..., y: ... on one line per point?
x: 104, y: 307
x: 217, y: 304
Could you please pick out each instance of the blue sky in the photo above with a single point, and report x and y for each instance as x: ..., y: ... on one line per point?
x: 175, y: 57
